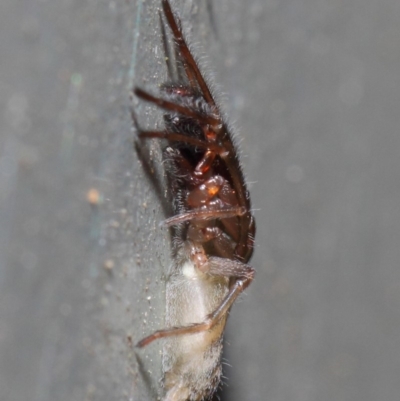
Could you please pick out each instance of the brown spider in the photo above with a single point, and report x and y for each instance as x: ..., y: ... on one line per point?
x: 214, y: 228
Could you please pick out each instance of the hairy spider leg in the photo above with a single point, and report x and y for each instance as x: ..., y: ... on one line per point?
x: 181, y: 70
x: 178, y: 108
x: 200, y: 214
x: 189, y: 63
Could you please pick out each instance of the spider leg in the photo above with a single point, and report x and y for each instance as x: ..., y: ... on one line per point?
x: 178, y: 73
x: 174, y: 107
x: 199, y: 214
x: 190, y: 64
x: 173, y: 137
x: 230, y: 268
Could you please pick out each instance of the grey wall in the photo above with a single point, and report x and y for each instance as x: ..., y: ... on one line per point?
x: 315, y: 91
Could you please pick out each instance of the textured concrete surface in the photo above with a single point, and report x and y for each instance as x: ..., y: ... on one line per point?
x: 314, y: 89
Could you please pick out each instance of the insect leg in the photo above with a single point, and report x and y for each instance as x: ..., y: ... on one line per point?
x: 200, y: 214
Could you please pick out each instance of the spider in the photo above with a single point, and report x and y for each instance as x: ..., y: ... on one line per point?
x: 212, y: 223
